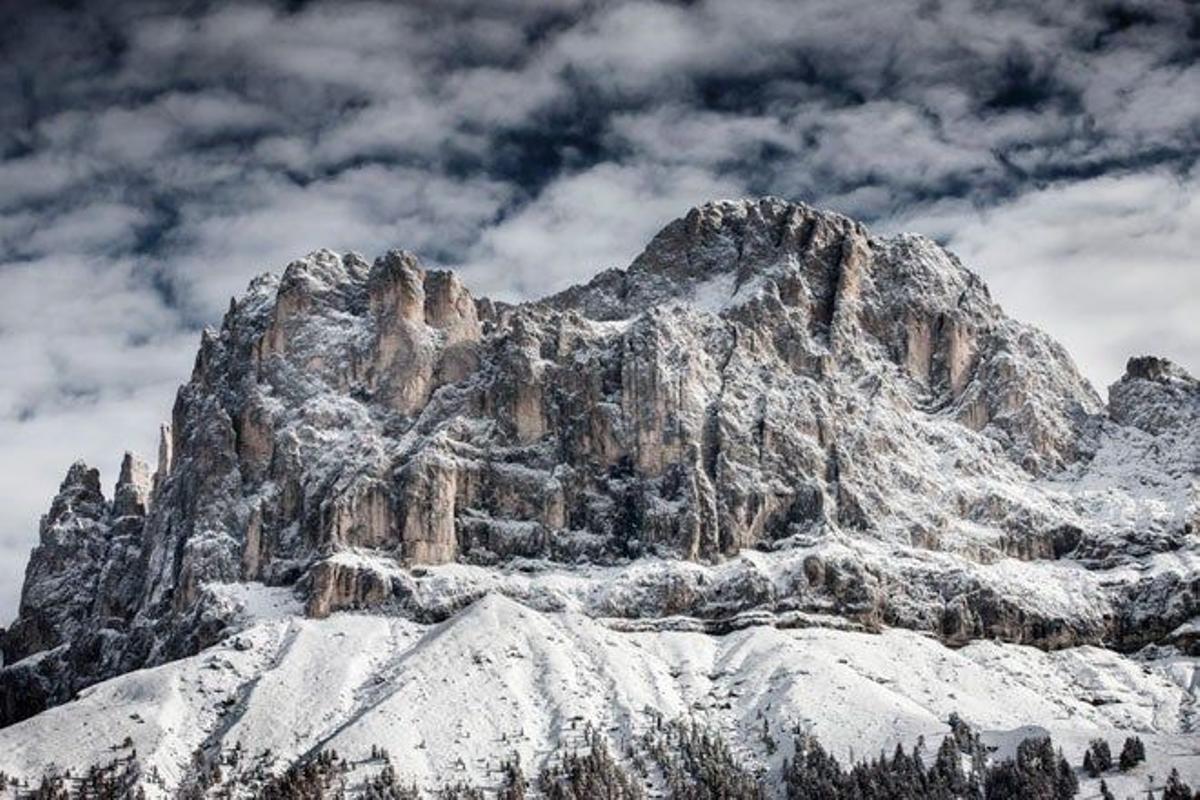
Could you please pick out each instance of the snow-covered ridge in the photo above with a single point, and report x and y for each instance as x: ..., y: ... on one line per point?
x: 771, y: 418
x: 522, y: 679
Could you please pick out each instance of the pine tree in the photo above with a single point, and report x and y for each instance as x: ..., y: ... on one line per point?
x: 1101, y: 755
x: 1132, y: 753
x: 1175, y: 788
x: 961, y: 731
x: 948, y: 766
x: 1066, y: 785
x: 1037, y: 773
x: 593, y: 773
x: 514, y: 781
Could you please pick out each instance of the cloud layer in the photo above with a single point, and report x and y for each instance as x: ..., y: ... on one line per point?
x: 151, y: 161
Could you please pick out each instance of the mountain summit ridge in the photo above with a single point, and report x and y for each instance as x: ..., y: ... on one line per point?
x: 771, y: 411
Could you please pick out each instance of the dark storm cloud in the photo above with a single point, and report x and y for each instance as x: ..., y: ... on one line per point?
x: 152, y: 159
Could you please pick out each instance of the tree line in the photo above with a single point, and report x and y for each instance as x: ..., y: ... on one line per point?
x: 679, y: 759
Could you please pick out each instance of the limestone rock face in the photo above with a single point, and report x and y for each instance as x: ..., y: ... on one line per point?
x: 133, y: 488
x: 331, y: 585
x: 772, y: 410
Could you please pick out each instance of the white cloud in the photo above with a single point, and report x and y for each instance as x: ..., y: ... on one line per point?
x: 37, y: 177
x: 96, y: 227
x: 677, y: 134
x: 582, y: 224
x: 267, y: 222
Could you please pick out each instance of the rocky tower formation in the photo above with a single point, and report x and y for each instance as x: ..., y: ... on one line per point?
x: 852, y: 414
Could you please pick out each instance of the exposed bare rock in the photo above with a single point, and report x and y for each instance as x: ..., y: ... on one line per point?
x: 772, y: 410
x: 332, y: 586
x: 1155, y: 395
x: 132, y: 493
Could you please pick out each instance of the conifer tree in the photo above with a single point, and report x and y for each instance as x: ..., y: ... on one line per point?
x: 1132, y: 753
x: 1175, y: 788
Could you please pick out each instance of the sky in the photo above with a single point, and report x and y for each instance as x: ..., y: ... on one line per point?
x: 156, y: 156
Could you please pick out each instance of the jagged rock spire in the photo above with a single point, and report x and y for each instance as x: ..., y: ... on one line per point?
x: 78, y: 494
x: 132, y: 493
x: 163, y: 465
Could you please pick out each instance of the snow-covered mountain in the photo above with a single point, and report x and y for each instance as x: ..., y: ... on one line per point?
x: 780, y: 471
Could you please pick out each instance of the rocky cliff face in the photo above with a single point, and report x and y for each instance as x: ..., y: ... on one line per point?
x: 771, y: 410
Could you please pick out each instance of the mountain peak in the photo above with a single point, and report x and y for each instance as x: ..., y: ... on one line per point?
x: 81, y: 477
x: 719, y: 255
x: 770, y: 411
x: 79, y: 493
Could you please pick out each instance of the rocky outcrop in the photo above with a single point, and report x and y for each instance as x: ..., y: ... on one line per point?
x: 64, y: 569
x: 332, y: 585
x: 765, y: 378
x: 1155, y: 396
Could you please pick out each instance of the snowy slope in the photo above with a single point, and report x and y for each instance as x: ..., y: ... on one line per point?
x: 448, y: 700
